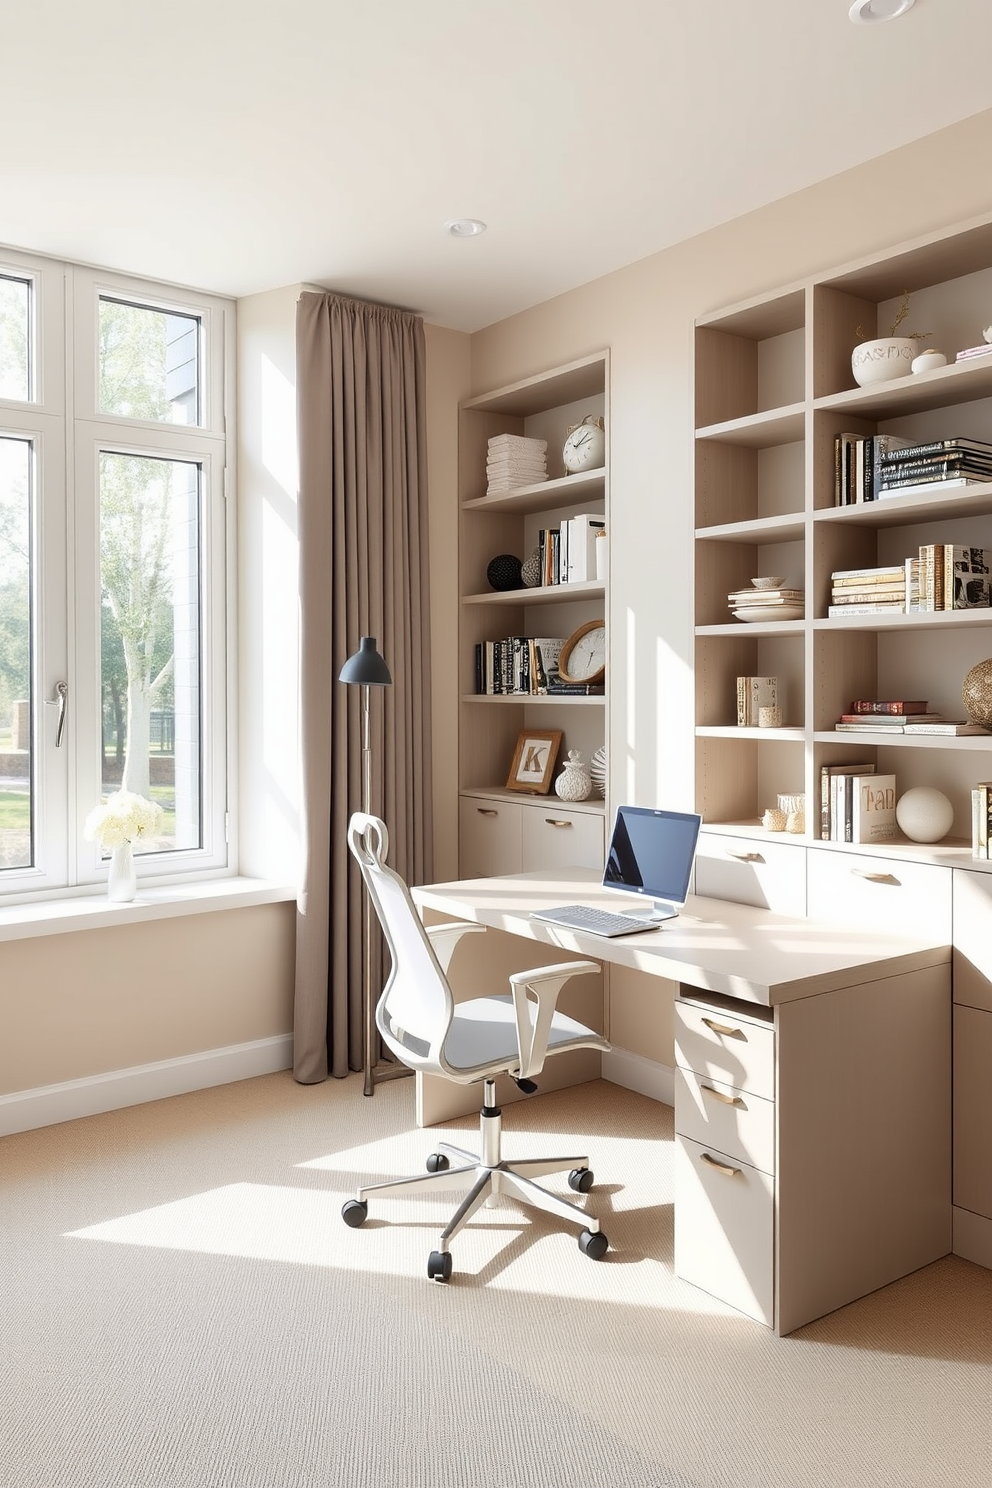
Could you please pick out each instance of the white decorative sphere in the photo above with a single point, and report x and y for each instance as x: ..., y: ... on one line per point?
x: 924, y: 814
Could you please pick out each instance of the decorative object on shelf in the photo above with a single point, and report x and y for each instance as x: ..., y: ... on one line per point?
x: 768, y: 583
x: 770, y: 716
x: 574, y: 783
x: 513, y: 461
x: 597, y: 770
x: 928, y: 360
x: 759, y: 604
x: 987, y: 334
x: 123, y: 819
x: 792, y: 801
x: 774, y: 820
x: 602, y: 550
x: 585, y: 445
x: 762, y: 614
x: 924, y: 814
x: 886, y: 357
x: 533, y: 763
x: 530, y: 570
x: 753, y: 694
x: 504, y: 572
x: 796, y: 822
x: 976, y: 693
x: 583, y: 656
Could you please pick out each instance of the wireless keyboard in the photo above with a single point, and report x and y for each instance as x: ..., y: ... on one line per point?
x: 596, y: 921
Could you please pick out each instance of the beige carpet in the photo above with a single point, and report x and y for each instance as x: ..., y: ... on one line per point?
x: 180, y: 1304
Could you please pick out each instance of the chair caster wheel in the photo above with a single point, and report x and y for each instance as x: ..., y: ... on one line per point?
x: 594, y: 1244
x: 354, y: 1212
x: 439, y: 1265
x: 436, y: 1163
x: 581, y: 1179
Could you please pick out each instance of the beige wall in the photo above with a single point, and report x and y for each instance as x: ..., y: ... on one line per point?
x: 87, y: 1002
x: 645, y: 315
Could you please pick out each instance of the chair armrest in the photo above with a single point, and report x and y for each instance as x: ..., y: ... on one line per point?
x: 445, y: 937
x: 543, y: 984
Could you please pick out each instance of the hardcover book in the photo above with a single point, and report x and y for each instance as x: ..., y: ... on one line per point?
x: 827, y: 775
x: 888, y: 705
x: 754, y: 693
x: 873, y: 810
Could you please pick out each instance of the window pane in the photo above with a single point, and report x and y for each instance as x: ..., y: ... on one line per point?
x: 149, y: 363
x: 15, y: 338
x: 15, y: 653
x: 150, y: 638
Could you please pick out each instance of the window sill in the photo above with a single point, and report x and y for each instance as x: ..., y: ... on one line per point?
x: 96, y: 911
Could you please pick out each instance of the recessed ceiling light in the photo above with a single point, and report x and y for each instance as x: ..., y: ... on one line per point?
x: 867, y: 12
x: 464, y: 227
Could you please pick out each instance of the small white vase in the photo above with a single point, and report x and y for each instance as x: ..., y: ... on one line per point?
x: 122, y: 880
x: 574, y: 783
x: 881, y: 360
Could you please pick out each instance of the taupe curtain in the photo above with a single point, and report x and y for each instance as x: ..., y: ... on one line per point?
x: 361, y: 391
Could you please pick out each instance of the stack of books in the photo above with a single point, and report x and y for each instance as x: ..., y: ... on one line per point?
x: 856, y: 804
x: 902, y: 716
x: 938, y: 466
x: 528, y: 666
x: 784, y: 604
x: 970, y: 352
x: 951, y: 577
x: 514, y: 460
x: 867, y: 591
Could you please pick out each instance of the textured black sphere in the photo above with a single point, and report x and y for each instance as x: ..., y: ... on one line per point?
x: 504, y: 572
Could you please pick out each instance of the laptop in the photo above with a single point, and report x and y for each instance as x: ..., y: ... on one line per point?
x: 650, y: 858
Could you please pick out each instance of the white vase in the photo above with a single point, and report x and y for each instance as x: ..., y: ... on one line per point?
x: 881, y: 360
x: 574, y: 783
x: 122, y: 880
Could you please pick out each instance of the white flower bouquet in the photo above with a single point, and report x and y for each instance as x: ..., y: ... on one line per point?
x: 122, y: 817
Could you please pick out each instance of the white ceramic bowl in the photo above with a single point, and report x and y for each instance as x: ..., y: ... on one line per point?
x: 767, y: 583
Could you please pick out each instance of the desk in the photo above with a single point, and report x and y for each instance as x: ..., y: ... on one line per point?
x: 813, y: 1089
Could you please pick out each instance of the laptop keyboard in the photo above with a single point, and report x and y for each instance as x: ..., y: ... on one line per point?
x: 596, y: 921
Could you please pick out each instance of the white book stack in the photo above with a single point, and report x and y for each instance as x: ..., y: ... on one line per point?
x: 514, y: 460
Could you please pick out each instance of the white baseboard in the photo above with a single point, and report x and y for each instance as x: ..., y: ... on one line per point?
x: 634, y: 1072
x: 24, y: 1110
x: 972, y: 1237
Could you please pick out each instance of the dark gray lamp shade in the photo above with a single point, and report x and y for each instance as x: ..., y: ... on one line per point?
x: 366, y: 667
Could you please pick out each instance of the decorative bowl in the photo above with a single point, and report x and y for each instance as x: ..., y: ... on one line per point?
x: 761, y: 614
x: 767, y: 583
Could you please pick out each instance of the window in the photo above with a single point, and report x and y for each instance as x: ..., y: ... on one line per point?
x: 114, y: 570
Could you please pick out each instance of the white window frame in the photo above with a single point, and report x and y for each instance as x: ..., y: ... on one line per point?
x: 69, y: 433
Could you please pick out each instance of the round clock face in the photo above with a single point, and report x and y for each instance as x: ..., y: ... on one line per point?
x: 583, y: 656
x: 584, y: 449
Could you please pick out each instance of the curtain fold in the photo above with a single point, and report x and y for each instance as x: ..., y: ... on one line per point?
x: 361, y: 392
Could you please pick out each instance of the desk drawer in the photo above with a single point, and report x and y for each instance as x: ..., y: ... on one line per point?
x: 488, y: 837
x: 724, y: 1228
x: 724, y: 1046
x: 885, y: 894
x: 734, y: 1121
x: 748, y: 870
x: 554, y: 837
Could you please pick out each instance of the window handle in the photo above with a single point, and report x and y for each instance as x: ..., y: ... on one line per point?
x: 60, y: 701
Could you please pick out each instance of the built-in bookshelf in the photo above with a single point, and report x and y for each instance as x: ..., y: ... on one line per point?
x: 773, y: 391
x: 502, y: 830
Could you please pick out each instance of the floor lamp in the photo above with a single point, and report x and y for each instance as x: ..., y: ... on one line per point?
x: 366, y: 669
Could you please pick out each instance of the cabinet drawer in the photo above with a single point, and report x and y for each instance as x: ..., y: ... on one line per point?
x: 734, y: 1121
x: 973, y: 1110
x: 721, y: 1045
x: 724, y: 1228
x: 886, y: 894
x: 488, y: 837
x: 554, y: 837
x: 770, y: 875
x: 972, y: 950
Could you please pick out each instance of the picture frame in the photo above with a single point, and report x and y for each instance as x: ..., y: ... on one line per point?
x: 534, y: 758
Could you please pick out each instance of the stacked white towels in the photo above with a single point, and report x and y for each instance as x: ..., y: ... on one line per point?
x: 513, y: 461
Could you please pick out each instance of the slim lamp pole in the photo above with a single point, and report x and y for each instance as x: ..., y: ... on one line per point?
x: 366, y: 668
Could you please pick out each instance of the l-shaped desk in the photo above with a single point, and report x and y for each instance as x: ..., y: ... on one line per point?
x: 812, y: 1088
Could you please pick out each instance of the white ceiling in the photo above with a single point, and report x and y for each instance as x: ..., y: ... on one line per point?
x: 240, y: 145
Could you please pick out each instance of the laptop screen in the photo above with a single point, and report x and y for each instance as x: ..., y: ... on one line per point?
x: 651, y: 853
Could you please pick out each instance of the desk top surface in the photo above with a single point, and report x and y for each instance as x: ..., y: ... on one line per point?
x: 714, y: 944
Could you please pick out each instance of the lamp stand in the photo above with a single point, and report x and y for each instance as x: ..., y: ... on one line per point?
x: 374, y: 1073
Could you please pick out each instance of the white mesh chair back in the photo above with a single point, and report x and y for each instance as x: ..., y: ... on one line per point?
x: 415, y: 1009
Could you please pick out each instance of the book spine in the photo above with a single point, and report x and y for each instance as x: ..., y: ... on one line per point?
x: 848, y: 808
x: 889, y: 705
x: 935, y: 446
x: 983, y: 825
x: 741, y: 702
x: 824, y: 804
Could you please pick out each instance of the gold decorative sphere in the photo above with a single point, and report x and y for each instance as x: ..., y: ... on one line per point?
x: 976, y: 693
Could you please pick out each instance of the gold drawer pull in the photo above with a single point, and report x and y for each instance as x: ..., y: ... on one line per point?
x: 724, y: 1168
x: 487, y: 811
x: 552, y: 823
x: 874, y: 877
x: 725, y: 1029
x: 728, y: 1100
x: 744, y: 857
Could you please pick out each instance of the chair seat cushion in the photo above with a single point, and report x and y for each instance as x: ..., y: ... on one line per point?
x: 483, y: 1034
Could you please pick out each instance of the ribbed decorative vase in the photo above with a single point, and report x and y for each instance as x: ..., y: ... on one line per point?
x: 574, y: 782
x: 976, y: 694
x: 597, y: 771
x: 122, y: 880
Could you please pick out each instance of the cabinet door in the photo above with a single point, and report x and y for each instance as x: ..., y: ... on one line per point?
x: 769, y: 875
x: 488, y: 837
x: 972, y: 946
x: 973, y: 1110
x: 554, y: 837
x: 885, y: 894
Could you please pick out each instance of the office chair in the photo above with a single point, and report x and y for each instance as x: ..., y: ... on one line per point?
x: 468, y: 1042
